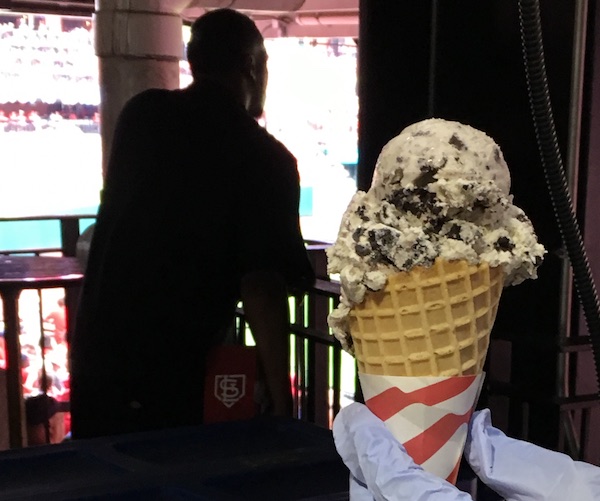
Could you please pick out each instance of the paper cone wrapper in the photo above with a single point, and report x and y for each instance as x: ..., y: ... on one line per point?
x: 429, y: 415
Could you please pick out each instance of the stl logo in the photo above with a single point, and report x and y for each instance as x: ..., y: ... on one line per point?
x: 229, y: 388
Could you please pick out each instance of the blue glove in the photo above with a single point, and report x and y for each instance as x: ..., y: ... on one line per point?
x: 380, y: 468
x: 521, y: 471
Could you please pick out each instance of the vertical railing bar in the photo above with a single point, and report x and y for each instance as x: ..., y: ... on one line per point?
x: 301, y: 377
x: 240, y: 330
x: 562, y: 431
x: 584, y: 432
x: 567, y: 439
x: 318, y: 367
x: 304, y: 320
x: 69, y: 234
x: 573, y: 359
x: 14, y: 383
x: 294, y: 372
x: 358, y: 394
x: 294, y: 369
x: 337, y: 367
x: 44, y: 375
x: 571, y: 436
x: 311, y: 381
x: 337, y: 379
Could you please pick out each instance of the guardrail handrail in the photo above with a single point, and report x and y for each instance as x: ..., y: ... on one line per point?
x: 316, y: 367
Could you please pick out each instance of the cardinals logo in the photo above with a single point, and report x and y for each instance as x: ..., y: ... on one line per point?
x: 229, y: 388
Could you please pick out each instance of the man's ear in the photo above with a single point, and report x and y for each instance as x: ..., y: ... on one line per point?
x: 249, y: 66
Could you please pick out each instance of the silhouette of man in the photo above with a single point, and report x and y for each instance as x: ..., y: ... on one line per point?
x: 199, y: 210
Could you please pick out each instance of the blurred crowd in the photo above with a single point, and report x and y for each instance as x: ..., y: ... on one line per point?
x: 44, y: 62
x: 38, y: 116
x: 44, y: 374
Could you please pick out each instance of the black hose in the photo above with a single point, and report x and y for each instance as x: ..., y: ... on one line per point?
x: 543, y: 120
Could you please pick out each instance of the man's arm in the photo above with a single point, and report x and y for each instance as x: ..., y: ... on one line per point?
x: 265, y: 300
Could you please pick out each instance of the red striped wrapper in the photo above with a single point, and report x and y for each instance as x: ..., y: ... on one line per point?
x: 429, y: 415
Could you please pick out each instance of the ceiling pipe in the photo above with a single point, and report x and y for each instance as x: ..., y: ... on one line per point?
x: 245, y: 5
x: 328, y: 19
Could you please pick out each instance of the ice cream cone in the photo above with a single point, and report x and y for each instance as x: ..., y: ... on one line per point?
x: 432, y: 321
x: 420, y: 344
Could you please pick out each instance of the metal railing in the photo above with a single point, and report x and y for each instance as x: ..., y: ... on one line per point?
x: 316, y: 361
x: 319, y: 383
x: 323, y: 376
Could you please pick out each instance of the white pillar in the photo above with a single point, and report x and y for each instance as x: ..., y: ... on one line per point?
x: 139, y: 45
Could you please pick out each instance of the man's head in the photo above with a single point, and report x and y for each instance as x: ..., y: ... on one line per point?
x: 226, y: 45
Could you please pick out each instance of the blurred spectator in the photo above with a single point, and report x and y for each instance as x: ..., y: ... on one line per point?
x: 57, y: 320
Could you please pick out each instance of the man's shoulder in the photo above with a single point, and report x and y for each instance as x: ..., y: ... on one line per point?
x: 152, y: 94
x: 151, y: 99
x: 267, y: 142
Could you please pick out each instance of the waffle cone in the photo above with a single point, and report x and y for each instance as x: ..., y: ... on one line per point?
x: 429, y: 321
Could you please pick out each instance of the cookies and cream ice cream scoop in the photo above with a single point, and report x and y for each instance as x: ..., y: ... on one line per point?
x: 440, y: 192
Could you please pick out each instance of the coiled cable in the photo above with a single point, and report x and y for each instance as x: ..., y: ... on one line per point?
x: 545, y: 131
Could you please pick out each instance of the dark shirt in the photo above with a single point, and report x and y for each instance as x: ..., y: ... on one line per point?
x: 196, y: 195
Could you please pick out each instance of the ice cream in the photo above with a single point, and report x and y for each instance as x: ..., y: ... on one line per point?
x: 423, y: 257
x: 440, y: 191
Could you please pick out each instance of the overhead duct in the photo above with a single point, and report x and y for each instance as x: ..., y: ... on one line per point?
x: 196, y: 8
x: 327, y: 19
x: 251, y: 5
